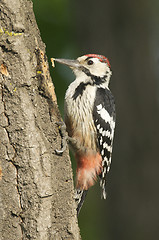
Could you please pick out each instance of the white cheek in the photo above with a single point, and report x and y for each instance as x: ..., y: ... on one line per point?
x: 98, y: 69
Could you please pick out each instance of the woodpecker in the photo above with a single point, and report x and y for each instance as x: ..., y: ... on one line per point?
x: 90, y: 121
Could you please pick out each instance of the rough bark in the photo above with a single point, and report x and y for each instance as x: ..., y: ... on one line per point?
x: 36, y: 187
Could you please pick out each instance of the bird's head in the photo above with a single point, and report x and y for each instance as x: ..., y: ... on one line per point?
x: 93, y: 65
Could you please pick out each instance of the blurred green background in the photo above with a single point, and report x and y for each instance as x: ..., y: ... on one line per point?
x: 127, y: 33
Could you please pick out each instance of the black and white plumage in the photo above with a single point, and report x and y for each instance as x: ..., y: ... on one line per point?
x: 104, y: 120
x: 90, y: 120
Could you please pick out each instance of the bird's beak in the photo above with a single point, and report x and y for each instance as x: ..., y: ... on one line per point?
x: 68, y: 62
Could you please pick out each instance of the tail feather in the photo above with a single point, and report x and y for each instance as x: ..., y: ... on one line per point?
x: 79, y: 198
x: 103, y: 186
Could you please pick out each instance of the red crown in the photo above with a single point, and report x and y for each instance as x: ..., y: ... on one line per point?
x: 100, y: 57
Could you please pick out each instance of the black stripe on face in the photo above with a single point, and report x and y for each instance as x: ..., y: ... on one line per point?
x: 82, y: 86
x: 96, y: 79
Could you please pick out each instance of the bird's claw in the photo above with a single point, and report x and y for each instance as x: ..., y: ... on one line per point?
x: 63, y: 133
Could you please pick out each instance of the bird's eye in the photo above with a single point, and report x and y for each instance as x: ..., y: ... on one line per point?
x: 90, y: 62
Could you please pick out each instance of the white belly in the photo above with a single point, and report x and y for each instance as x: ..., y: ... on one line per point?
x: 78, y: 116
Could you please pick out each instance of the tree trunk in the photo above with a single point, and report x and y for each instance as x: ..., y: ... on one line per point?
x: 36, y: 187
